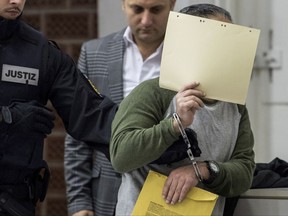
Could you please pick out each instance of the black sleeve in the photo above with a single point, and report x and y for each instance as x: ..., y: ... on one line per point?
x: 87, y: 115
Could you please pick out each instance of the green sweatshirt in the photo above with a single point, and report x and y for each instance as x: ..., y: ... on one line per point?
x: 141, y: 133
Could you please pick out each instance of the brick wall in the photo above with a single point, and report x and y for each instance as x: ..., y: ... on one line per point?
x: 69, y: 23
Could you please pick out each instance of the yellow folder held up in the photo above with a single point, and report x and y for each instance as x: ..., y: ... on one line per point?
x: 217, y: 54
x: 150, y: 201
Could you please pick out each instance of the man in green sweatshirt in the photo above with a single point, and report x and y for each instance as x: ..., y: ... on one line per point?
x: 144, y: 128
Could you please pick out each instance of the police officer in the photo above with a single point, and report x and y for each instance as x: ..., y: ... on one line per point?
x: 33, y: 71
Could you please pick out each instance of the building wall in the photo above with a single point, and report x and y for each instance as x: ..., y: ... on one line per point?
x: 69, y: 23
x: 110, y: 17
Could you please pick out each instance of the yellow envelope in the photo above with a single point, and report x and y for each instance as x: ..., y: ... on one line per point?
x: 150, y: 201
x: 219, y: 55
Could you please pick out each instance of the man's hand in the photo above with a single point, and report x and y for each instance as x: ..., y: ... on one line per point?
x: 178, y: 184
x: 28, y: 117
x: 188, y: 101
x: 84, y: 213
x: 181, y: 181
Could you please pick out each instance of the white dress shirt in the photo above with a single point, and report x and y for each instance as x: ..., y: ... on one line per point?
x: 135, y: 70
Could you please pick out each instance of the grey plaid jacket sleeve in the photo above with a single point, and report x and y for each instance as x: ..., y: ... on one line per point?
x: 91, y: 182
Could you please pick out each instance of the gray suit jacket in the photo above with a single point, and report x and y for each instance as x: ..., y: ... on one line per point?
x: 91, y: 182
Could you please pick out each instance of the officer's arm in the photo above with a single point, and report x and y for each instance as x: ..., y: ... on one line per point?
x: 86, y: 114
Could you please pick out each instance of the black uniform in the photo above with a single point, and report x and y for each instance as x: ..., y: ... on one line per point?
x: 31, y: 68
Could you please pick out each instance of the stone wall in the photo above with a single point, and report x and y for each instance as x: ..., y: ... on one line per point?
x: 69, y: 23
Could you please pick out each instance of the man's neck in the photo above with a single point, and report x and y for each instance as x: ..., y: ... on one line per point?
x: 7, y: 27
x: 147, y: 49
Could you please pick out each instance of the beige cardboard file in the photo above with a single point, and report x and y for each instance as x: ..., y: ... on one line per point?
x: 150, y: 202
x: 217, y: 54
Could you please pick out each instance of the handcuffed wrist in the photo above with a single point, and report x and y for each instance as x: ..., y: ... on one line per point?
x: 189, y: 151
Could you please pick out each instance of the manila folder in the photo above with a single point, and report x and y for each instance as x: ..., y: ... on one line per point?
x: 150, y: 201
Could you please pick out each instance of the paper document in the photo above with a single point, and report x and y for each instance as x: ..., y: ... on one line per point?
x: 150, y: 201
x: 217, y: 54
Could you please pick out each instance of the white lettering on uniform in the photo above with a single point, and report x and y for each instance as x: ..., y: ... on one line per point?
x: 17, y: 74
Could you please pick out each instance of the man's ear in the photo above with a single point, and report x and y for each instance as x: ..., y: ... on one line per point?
x: 172, y: 2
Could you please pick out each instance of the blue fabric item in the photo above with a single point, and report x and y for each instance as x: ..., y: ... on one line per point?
x: 271, y: 175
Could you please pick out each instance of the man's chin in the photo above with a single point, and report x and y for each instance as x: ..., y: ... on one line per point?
x: 10, y: 16
x: 146, y: 36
